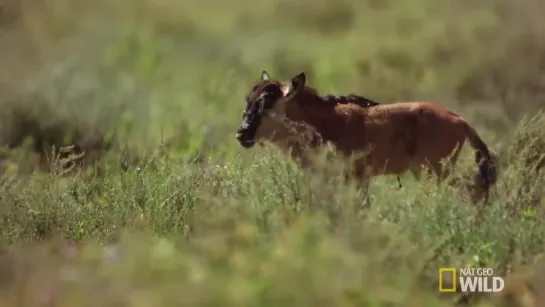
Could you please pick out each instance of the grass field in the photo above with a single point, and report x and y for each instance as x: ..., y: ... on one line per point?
x: 169, y: 210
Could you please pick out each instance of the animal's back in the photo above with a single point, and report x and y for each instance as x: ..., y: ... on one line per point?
x: 403, y: 134
x: 438, y: 130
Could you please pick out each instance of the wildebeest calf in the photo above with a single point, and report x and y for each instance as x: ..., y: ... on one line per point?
x: 397, y: 137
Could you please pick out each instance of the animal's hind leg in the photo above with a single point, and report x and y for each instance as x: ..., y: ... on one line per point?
x: 443, y: 171
x: 476, y: 190
x: 451, y: 162
x: 439, y: 171
x: 365, y: 199
x: 417, y: 171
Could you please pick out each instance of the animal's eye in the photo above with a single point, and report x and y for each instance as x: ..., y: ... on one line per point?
x: 269, y: 97
x: 271, y: 89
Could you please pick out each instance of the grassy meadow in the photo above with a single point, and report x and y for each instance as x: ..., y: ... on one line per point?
x: 166, y: 209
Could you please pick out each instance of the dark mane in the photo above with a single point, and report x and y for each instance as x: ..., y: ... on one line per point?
x: 330, y: 99
x: 341, y: 99
x: 352, y: 98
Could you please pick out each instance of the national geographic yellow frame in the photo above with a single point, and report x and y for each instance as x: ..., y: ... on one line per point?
x: 447, y: 270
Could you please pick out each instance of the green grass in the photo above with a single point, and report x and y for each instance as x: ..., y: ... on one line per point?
x: 173, y: 212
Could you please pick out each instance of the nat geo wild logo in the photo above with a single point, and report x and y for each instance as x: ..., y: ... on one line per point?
x: 470, y: 280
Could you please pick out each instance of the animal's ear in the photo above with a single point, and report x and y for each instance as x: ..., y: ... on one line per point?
x: 297, y: 83
x: 265, y: 76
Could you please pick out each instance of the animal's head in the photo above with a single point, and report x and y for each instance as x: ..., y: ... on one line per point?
x: 266, y: 108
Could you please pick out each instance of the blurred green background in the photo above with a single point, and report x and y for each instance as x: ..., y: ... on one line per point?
x: 153, y: 91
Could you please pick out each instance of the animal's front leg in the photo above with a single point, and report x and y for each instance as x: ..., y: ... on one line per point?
x: 300, y: 156
x: 304, y: 161
x: 364, y: 184
x: 363, y: 175
x: 366, y: 201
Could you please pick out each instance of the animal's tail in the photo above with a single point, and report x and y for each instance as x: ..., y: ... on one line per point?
x: 488, y: 167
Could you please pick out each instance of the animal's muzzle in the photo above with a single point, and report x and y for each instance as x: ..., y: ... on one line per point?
x: 245, y: 136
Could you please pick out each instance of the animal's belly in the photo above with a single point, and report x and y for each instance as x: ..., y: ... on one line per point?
x: 386, y: 162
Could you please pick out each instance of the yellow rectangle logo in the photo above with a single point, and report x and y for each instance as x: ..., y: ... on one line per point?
x: 442, y: 272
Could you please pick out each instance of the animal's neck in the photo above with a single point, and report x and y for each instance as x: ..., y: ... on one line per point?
x: 311, y: 115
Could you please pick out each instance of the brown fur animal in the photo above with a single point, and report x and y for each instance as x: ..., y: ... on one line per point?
x: 397, y: 137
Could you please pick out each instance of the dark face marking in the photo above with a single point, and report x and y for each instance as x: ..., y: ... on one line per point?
x: 260, y: 100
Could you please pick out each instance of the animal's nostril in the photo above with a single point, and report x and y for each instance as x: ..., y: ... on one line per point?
x: 243, y: 128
